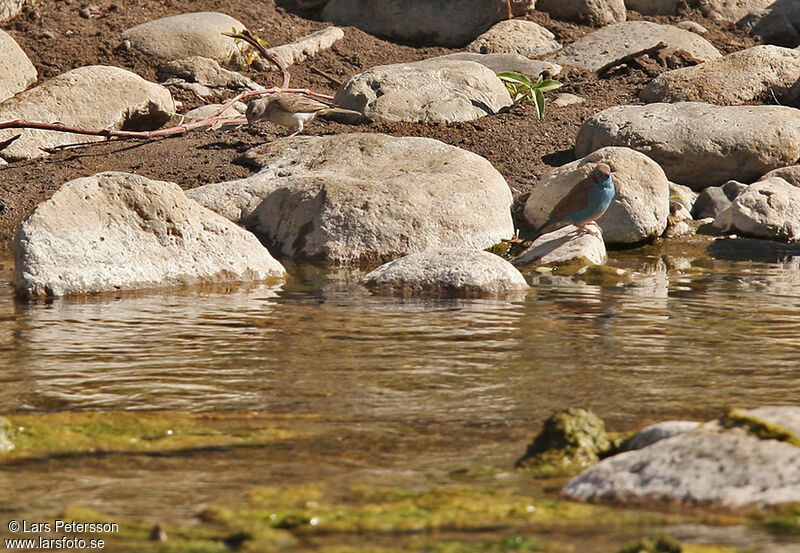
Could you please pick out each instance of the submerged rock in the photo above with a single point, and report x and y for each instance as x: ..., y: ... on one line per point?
x: 746, y: 459
x: 119, y: 231
x: 570, y: 441
x: 447, y: 272
x: 436, y: 89
x: 365, y: 198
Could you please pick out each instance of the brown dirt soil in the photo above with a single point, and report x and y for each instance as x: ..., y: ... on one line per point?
x: 57, y: 38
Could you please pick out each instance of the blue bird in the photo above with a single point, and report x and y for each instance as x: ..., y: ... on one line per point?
x: 586, y: 202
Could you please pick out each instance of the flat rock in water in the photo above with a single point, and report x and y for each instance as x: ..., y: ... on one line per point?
x: 10, y: 9
x: 592, y: 12
x: 500, y: 63
x: 700, y: 144
x: 189, y: 34
x: 563, y: 246
x: 435, y: 89
x: 119, y: 231
x: 728, y: 467
x: 769, y: 208
x: 738, y: 78
x: 16, y: 71
x: 432, y: 22
x: 639, y: 210
x: 515, y: 36
x: 365, y: 198
x: 614, y: 42
x: 446, y: 272
x: 80, y: 98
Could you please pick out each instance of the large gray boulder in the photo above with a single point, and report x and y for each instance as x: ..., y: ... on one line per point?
x: 639, y: 210
x: 448, y: 272
x: 778, y: 24
x: 10, y: 9
x: 119, y: 231
x: 16, y: 71
x: 722, y: 463
x: 614, y: 42
x: 515, y: 36
x: 436, y: 89
x: 189, y: 34
x: 365, y: 198
x: 593, y: 12
x: 790, y: 173
x: 742, y: 77
x: 769, y: 208
x: 82, y: 98
x: 700, y: 144
x: 435, y: 22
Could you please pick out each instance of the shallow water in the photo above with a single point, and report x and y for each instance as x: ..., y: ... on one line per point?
x: 418, y: 387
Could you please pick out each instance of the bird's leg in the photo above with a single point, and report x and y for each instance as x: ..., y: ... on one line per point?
x: 584, y: 228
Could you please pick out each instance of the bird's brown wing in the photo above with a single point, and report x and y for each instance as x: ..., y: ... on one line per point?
x: 295, y: 103
x: 575, y: 200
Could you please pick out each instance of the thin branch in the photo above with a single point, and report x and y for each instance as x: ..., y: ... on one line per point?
x: 331, y: 79
x: 248, y: 37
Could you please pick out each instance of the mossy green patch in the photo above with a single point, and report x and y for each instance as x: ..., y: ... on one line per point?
x: 784, y: 519
x: 570, y: 441
x: 758, y: 427
x: 54, y: 434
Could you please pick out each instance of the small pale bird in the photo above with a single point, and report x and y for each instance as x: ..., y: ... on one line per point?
x: 586, y: 202
x: 290, y: 110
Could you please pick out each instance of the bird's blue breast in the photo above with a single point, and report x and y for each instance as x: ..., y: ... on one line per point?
x: 599, y: 198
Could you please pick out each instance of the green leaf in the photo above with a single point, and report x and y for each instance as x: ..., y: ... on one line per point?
x: 539, y: 102
x: 548, y: 85
x: 511, y: 76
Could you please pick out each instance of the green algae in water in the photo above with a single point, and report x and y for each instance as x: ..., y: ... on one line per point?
x: 55, y: 434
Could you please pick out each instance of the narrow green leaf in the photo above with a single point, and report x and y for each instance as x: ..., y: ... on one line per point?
x: 539, y: 103
x: 549, y: 84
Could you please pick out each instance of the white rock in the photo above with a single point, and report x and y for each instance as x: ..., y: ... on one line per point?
x: 430, y: 90
x: 500, y: 63
x: 563, y: 246
x: 566, y: 99
x: 593, y: 12
x: 204, y: 77
x: 769, y: 208
x: 611, y: 43
x: 446, y: 272
x: 16, y: 71
x: 699, y: 144
x: 515, y: 36
x: 692, y: 26
x: 709, y: 465
x: 653, y: 7
x: 639, y: 210
x: 790, y: 174
x: 10, y: 9
x: 660, y: 431
x: 681, y: 199
x: 82, y: 98
x: 237, y: 110
x: 304, y: 47
x: 731, y: 10
x: 452, y: 23
x: 189, y: 34
x: 366, y: 198
x: 738, y: 78
x: 119, y: 231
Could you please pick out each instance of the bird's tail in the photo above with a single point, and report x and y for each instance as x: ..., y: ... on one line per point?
x: 343, y: 115
x: 540, y: 230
